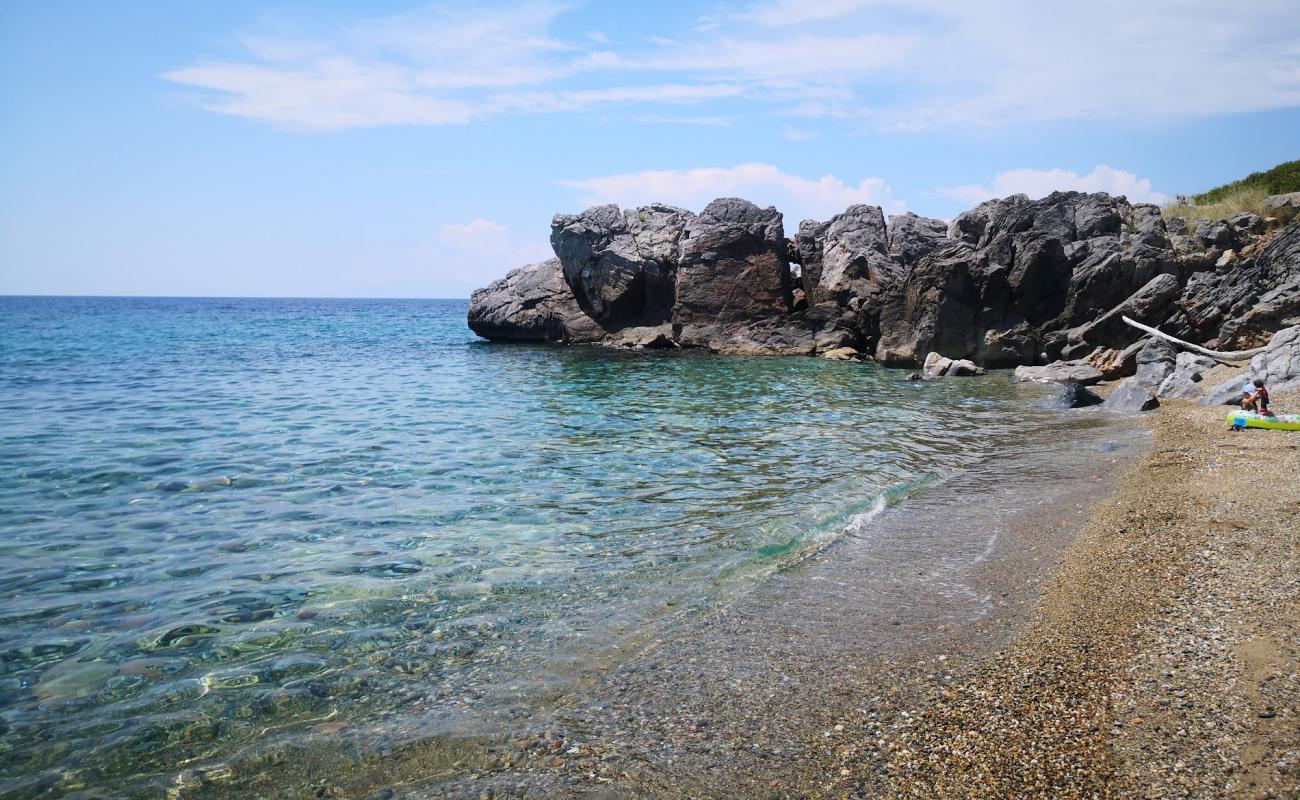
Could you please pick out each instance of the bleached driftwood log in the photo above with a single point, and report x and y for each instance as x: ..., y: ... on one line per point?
x: 1240, y: 355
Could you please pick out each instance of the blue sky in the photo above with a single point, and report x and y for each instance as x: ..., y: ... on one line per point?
x: 395, y: 149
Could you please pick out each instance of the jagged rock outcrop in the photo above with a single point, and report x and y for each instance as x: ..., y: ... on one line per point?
x: 531, y: 304
x: 1278, y: 366
x: 732, y: 269
x: 621, y: 264
x: 1011, y: 282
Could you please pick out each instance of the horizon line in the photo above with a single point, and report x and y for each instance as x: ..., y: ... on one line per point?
x: 4, y: 295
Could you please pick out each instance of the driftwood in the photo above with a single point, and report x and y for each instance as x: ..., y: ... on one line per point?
x: 1240, y: 355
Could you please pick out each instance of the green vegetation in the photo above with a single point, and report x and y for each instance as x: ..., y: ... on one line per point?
x: 1247, y: 199
x: 1246, y: 194
x: 1281, y: 179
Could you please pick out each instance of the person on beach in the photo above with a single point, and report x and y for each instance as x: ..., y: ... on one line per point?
x: 1254, y: 397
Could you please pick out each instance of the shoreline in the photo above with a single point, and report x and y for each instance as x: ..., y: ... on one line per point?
x: 1141, y: 640
x: 1161, y: 660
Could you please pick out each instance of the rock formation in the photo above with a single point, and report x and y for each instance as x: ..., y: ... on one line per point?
x: 1011, y: 282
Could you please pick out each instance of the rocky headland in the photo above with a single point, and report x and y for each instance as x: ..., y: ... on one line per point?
x: 1012, y: 282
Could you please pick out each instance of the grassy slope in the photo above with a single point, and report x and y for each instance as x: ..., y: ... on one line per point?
x: 1246, y: 194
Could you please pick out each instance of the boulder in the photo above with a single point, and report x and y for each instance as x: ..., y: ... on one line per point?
x: 1248, y: 223
x: 1155, y: 362
x: 531, y: 304
x: 1131, y: 396
x: 841, y: 354
x: 1283, y: 207
x: 848, y: 255
x: 1278, y: 366
x: 650, y: 337
x: 1116, y: 363
x: 732, y: 271
x: 621, y: 264
x: 936, y: 366
x: 971, y: 226
x: 911, y: 237
x: 1217, y: 234
x: 1074, y: 395
x: 1060, y: 372
x: 1186, y: 381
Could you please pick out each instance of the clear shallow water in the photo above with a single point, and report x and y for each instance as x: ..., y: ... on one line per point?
x: 223, y: 521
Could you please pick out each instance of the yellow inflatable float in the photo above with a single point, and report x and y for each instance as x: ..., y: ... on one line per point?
x: 1241, y: 420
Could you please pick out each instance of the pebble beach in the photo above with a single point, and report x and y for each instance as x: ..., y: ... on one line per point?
x: 1159, y: 660
x: 1162, y: 658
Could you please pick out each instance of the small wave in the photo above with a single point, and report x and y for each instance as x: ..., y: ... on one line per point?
x: 854, y: 521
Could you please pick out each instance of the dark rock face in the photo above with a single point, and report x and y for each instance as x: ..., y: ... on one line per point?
x: 911, y: 238
x: 1011, y: 282
x: 531, y: 304
x: 621, y: 264
x: 732, y: 269
x: 847, y: 259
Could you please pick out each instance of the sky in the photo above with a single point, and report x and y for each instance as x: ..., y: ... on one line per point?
x: 408, y: 149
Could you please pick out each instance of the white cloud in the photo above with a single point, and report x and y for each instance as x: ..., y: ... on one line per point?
x: 882, y: 64
x: 797, y: 134
x: 779, y: 13
x: 484, y: 237
x: 795, y: 196
x: 665, y: 119
x: 1042, y: 182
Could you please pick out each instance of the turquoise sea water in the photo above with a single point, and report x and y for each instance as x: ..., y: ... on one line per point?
x: 227, y: 521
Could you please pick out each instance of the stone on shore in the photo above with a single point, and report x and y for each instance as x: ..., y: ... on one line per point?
x: 936, y: 366
x: 1186, y: 381
x: 1131, y: 396
x: 1155, y: 362
x: 1059, y: 372
x: 1278, y: 366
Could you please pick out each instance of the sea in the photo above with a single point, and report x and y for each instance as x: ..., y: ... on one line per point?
x: 228, y: 524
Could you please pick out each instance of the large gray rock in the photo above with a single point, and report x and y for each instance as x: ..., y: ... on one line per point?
x: 1155, y: 362
x: 1060, y: 372
x: 531, y: 304
x: 1240, y: 305
x: 732, y: 270
x: 1186, y: 382
x: 910, y: 237
x: 621, y: 264
x: 1131, y: 396
x: 1283, y: 207
x: 1278, y: 366
x: 846, y: 260
x: 936, y: 366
